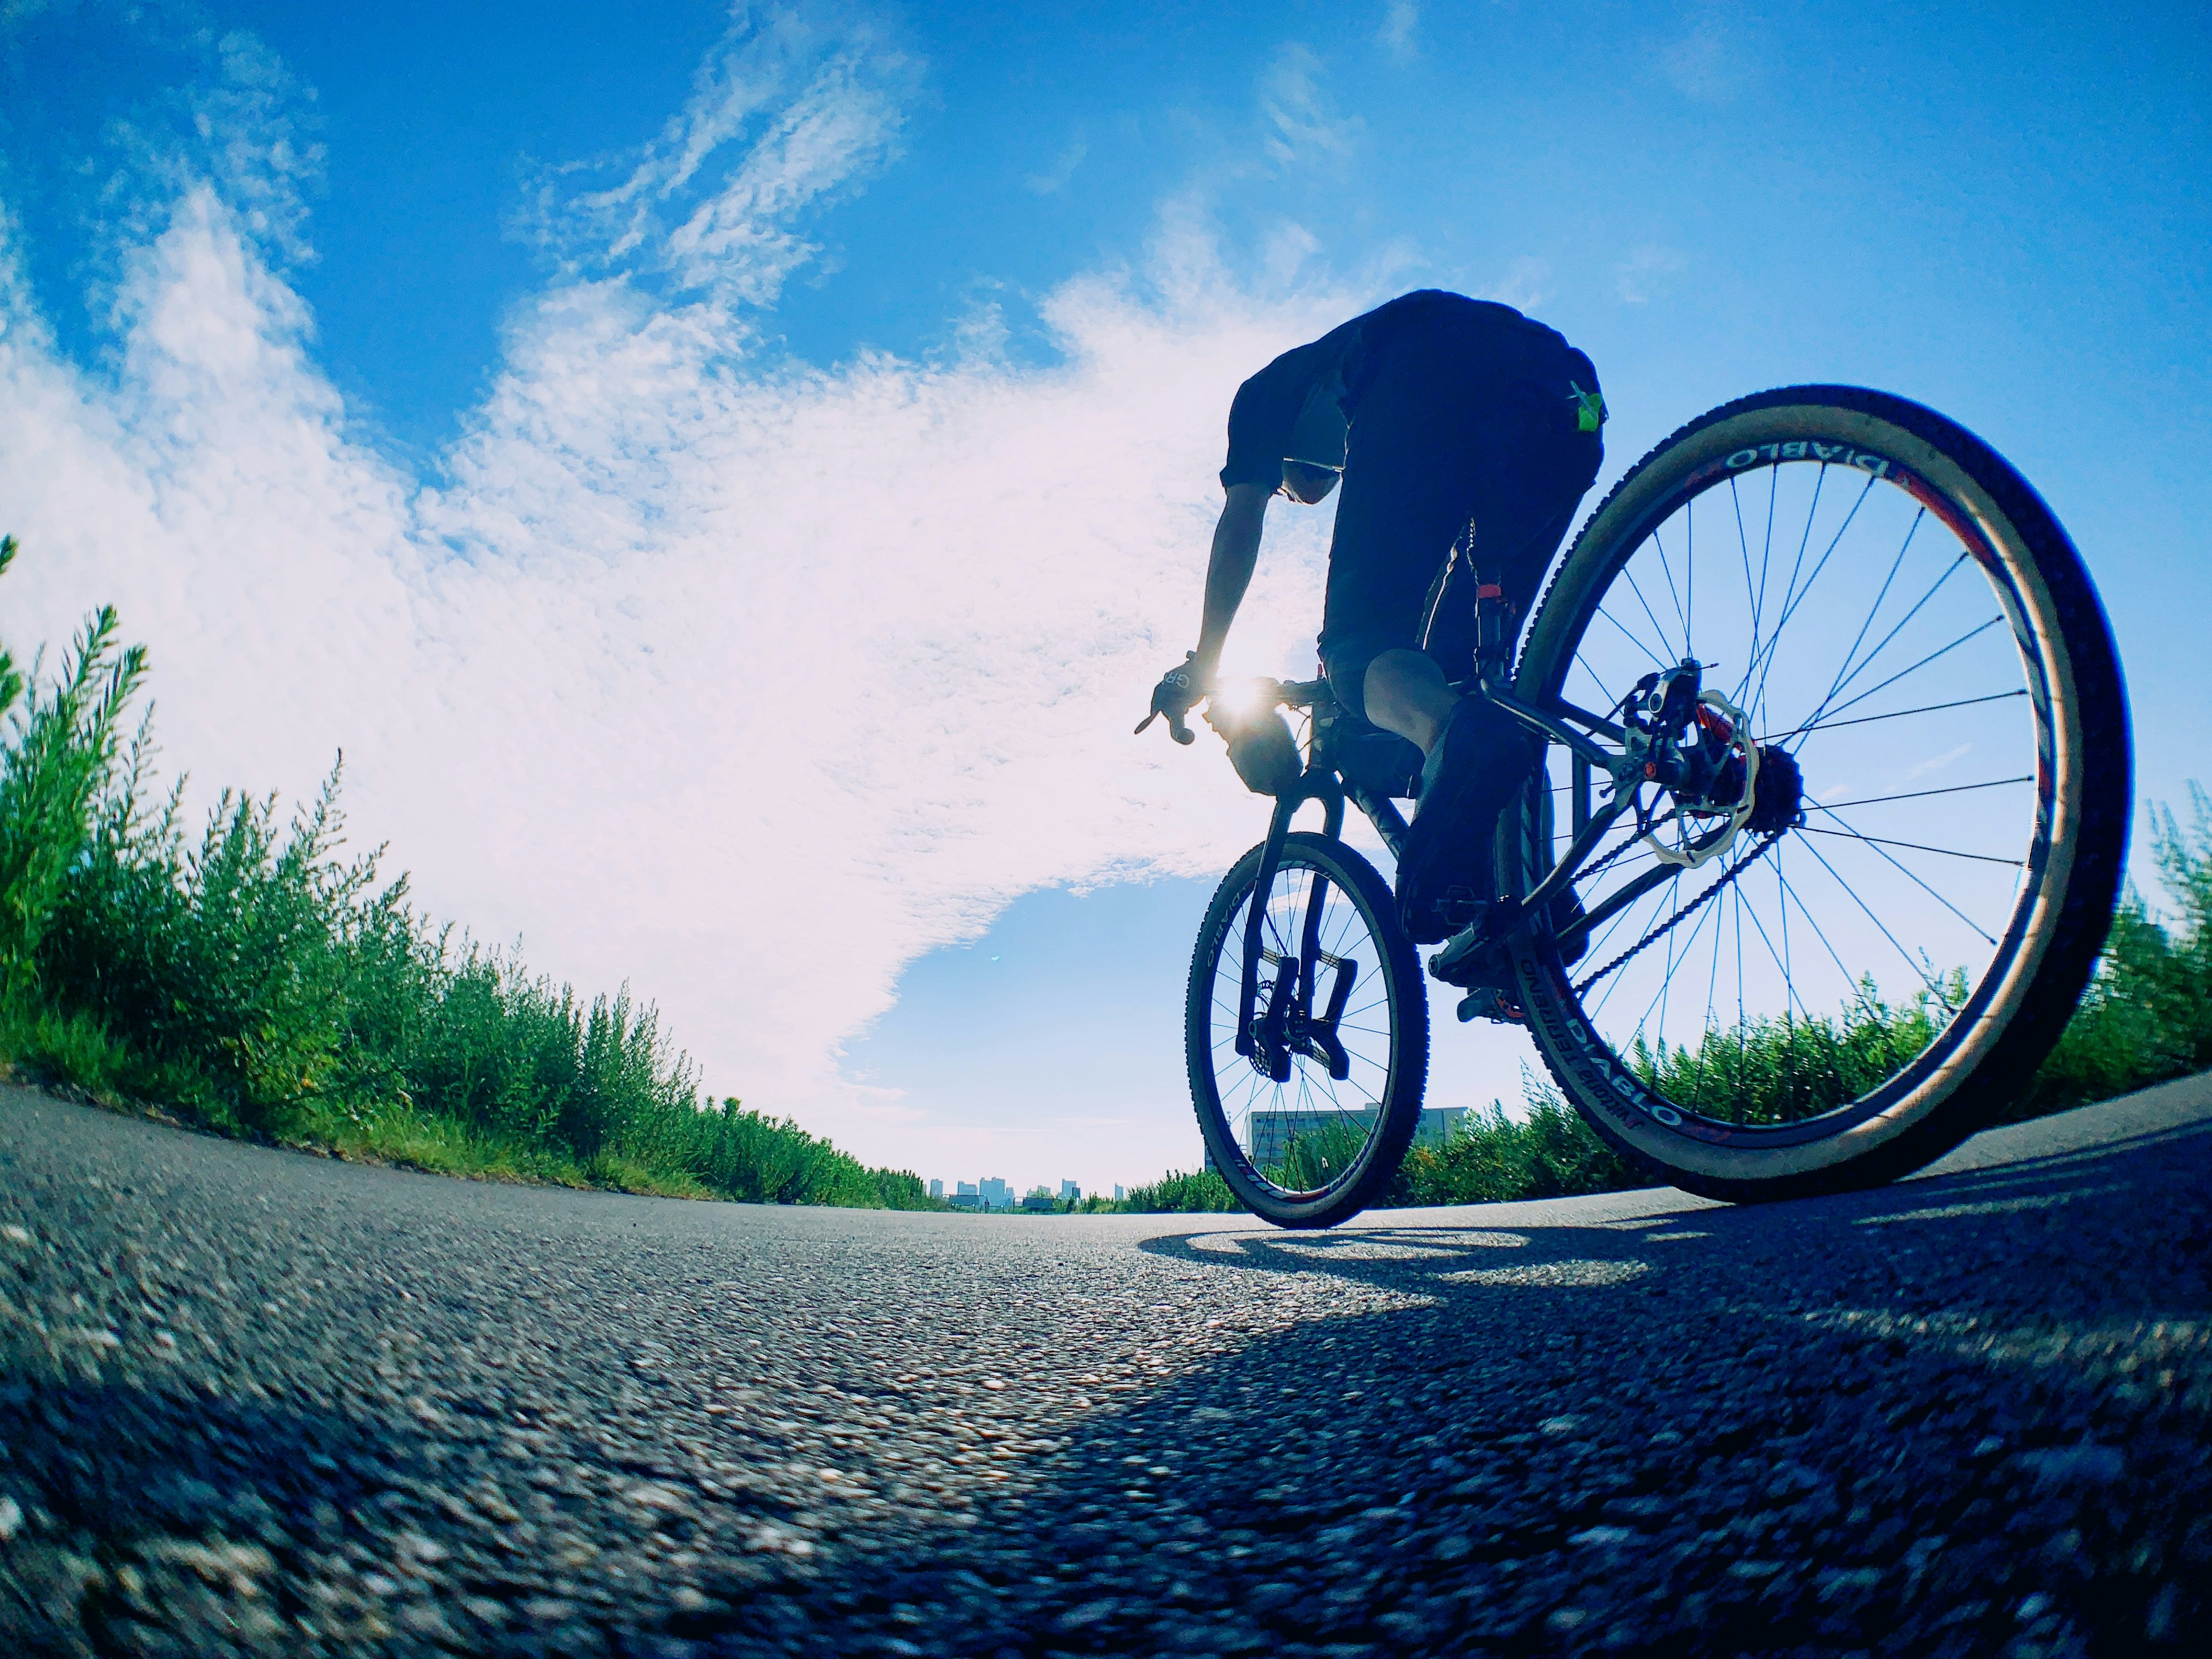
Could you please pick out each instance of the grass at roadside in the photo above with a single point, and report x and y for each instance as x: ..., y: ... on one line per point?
x: 2146, y: 1017
x: 253, y: 980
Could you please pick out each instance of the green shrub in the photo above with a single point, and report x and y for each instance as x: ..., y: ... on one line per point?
x: 1174, y: 1193
x: 256, y: 980
x: 2146, y: 1017
x: 1491, y: 1158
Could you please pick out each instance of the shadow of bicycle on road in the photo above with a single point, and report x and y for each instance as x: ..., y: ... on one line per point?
x: 1966, y: 1414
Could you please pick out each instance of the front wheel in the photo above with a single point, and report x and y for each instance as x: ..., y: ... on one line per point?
x: 1838, y: 972
x: 1307, y: 1034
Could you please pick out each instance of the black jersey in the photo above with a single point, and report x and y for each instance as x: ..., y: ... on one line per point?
x: 1300, y: 406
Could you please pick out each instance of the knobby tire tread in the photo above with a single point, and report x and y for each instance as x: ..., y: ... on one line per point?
x: 1409, y: 1012
x: 2101, y: 851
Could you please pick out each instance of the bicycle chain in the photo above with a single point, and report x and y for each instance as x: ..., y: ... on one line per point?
x: 1691, y: 909
x: 1611, y: 859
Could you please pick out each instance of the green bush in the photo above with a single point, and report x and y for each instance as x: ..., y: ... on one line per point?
x: 1491, y: 1158
x: 256, y: 981
x: 1202, y: 1192
x: 2146, y: 1017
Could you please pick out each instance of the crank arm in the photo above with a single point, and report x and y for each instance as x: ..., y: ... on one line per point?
x: 1563, y: 873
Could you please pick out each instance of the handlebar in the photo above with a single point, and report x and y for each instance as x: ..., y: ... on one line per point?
x: 1263, y: 695
x: 1178, y: 728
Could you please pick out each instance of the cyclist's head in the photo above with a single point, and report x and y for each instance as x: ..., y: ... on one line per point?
x: 1308, y: 482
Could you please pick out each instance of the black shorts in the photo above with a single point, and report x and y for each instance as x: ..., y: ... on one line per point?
x: 1458, y: 415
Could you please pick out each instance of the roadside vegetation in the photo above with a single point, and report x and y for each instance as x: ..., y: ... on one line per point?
x: 2146, y: 1018
x: 252, y: 979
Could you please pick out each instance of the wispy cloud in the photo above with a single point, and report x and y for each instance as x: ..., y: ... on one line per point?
x: 1524, y: 284
x: 247, y: 129
x: 1301, y: 120
x: 1645, y: 271
x: 785, y: 117
x: 1062, y: 170
x: 1708, y: 56
x: 1400, y: 18
x: 747, y: 680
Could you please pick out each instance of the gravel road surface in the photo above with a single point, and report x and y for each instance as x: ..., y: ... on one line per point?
x: 258, y: 1401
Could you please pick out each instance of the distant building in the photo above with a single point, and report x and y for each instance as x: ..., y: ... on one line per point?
x: 965, y: 1197
x: 937, y: 1189
x: 1040, y: 1200
x: 1119, y: 1195
x: 1268, y: 1135
x: 1069, y: 1190
x: 995, y: 1193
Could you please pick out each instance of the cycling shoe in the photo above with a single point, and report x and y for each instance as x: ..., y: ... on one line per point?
x: 1477, y: 762
x: 1476, y: 955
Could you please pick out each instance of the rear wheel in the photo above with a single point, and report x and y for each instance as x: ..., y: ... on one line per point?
x: 1845, y: 975
x: 1307, y: 1072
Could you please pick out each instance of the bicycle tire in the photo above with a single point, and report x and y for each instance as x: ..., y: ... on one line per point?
x: 2070, y: 877
x: 1366, y: 1174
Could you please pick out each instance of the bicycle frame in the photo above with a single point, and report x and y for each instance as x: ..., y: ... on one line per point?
x: 1624, y: 756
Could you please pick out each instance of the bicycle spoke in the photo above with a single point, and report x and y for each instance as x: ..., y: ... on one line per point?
x: 1851, y: 668
x: 1931, y: 656
x: 1791, y: 608
x: 1853, y: 834
x: 1918, y: 794
x: 1657, y: 627
x: 1665, y: 570
x: 1656, y: 657
x: 1914, y: 846
x: 1742, y: 1026
x: 1818, y: 931
x: 1917, y: 969
x: 1896, y: 714
x: 1604, y: 690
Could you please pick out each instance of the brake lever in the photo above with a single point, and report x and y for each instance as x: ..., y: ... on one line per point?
x: 1177, y: 729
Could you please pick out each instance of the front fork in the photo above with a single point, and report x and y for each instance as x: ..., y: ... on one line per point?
x: 1287, y: 1024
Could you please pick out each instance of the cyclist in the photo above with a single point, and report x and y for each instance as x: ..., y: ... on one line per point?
x: 1438, y: 412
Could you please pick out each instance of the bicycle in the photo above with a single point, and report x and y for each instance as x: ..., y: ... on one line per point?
x: 1884, y: 842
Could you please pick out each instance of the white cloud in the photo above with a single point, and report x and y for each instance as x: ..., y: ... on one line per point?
x: 1285, y: 251
x: 1708, y: 57
x: 1062, y: 170
x: 743, y: 681
x: 1396, y: 35
x: 783, y: 118
x: 1645, y: 271
x: 1525, y: 284
x: 1301, y: 118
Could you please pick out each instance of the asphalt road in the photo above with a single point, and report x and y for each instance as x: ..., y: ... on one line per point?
x: 255, y: 1400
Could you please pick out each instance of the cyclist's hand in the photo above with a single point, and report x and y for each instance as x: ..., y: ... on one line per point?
x: 1179, y: 689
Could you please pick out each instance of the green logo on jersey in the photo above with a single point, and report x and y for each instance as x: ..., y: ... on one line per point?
x: 1589, y: 408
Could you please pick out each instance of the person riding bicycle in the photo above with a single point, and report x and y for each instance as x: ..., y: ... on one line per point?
x: 1465, y: 436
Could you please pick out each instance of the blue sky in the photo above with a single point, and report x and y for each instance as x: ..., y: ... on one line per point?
x: 722, y: 478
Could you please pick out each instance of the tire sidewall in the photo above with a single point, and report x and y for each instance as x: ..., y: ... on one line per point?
x: 2084, y: 797
x: 1409, y: 1054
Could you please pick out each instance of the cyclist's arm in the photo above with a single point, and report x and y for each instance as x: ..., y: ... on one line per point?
x: 1229, y: 571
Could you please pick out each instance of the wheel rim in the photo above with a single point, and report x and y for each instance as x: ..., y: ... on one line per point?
x: 1884, y: 630
x: 1305, y: 1137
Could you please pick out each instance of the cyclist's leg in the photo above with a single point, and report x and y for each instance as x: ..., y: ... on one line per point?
x: 1453, y: 422
x: 1449, y: 429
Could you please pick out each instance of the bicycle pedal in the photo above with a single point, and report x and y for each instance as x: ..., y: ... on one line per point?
x: 1471, y: 956
x: 1488, y: 1002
